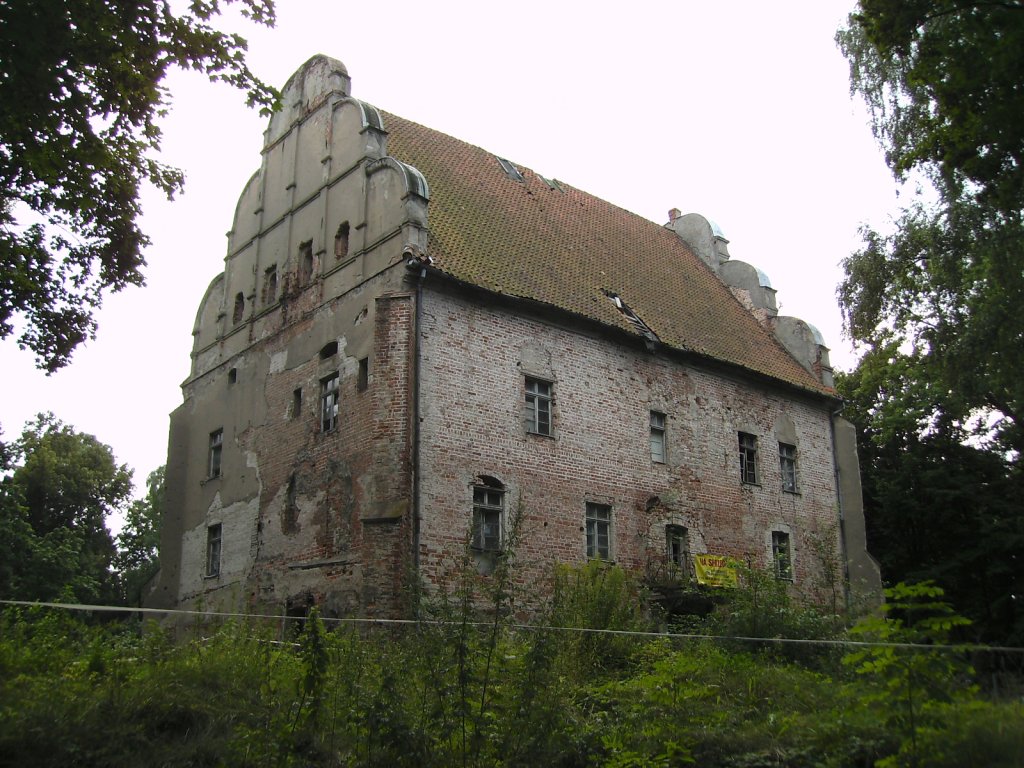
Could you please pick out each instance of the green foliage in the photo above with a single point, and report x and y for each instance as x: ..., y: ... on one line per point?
x: 53, y: 506
x: 81, y: 85
x: 136, y: 561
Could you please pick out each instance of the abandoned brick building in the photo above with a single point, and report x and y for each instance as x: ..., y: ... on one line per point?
x: 412, y: 339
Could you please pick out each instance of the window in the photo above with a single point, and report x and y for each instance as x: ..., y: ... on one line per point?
x: 781, y: 556
x: 658, y: 437
x: 296, y: 403
x: 329, y: 403
x: 213, y: 538
x: 599, y: 531
x: 341, y: 241
x: 363, y: 377
x: 488, y: 509
x: 787, y: 465
x: 270, y: 285
x: 306, y: 263
x: 239, y: 310
x: 538, y: 406
x: 677, y: 546
x: 330, y: 349
x: 748, y: 458
x: 216, y: 446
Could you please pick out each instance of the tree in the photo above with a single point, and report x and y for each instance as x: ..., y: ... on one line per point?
x: 136, y: 561
x: 944, y: 82
x: 81, y: 85
x: 61, y: 487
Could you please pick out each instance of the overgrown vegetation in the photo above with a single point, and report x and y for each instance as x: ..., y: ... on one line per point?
x: 470, y: 686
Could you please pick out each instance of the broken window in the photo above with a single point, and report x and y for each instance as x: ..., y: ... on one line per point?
x: 329, y: 403
x: 538, y: 406
x: 599, y: 531
x: 488, y: 511
x: 270, y: 285
x: 658, y: 437
x: 781, y: 556
x: 510, y: 170
x: 363, y: 378
x: 306, y: 263
x: 677, y: 546
x: 748, y: 458
x: 787, y: 466
x: 330, y: 349
x: 341, y: 241
x: 239, y: 310
x: 213, y: 541
x: 216, y: 446
x: 296, y: 403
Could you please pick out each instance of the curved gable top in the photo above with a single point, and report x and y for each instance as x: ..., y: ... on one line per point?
x: 315, y: 81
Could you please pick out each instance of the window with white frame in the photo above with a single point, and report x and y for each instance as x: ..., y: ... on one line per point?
x: 213, y: 542
x: 748, y: 457
x: 329, y: 403
x: 216, y: 447
x: 677, y: 546
x: 488, y: 514
x: 599, y: 531
x: 658, y: 437
x: 538, y: 406
x: 782, y: 557
x: 787, y: 466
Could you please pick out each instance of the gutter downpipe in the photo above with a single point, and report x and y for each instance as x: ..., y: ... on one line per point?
x: 416, y: 263
x: 839, y: 503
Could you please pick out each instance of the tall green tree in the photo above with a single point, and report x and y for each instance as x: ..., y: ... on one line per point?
x: 82, y: 94
x: 137, y: 558
x: 944, y: 82
x: 60, y: 488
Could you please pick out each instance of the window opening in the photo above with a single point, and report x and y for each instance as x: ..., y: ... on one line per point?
x: 270, y: 285
x: 599, y: 525
x: 239, y: 310
x: 488, y: 511
x: 296, y: 403
x: 748, y: 458
x: 213, y: 542
x: 329, y: 403
x: 306, y: 262
x: 510, y: 170
x: 232, y: 376
x: 341, y: 241
x: 363, y: 378
x: 787, y: 466
x: 658, y: 437
x: 216, y: 446
x: 781, y: 556
x: 538, y: 406
x: 330, y: 349
x: 677, y: 546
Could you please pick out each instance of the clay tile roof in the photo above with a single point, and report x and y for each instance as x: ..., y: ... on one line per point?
x: 568, y: 249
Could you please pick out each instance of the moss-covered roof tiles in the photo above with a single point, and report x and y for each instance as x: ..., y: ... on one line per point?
x: 568, y: 249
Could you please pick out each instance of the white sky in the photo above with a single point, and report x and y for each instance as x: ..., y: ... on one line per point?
x: 737, y: 110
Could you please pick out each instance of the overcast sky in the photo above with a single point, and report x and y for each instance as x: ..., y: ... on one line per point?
x: 736, y: 110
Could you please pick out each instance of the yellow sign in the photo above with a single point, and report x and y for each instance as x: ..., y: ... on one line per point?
x: 715, y: 571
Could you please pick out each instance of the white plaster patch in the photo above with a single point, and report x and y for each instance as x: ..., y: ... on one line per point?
x: 278, y: 361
